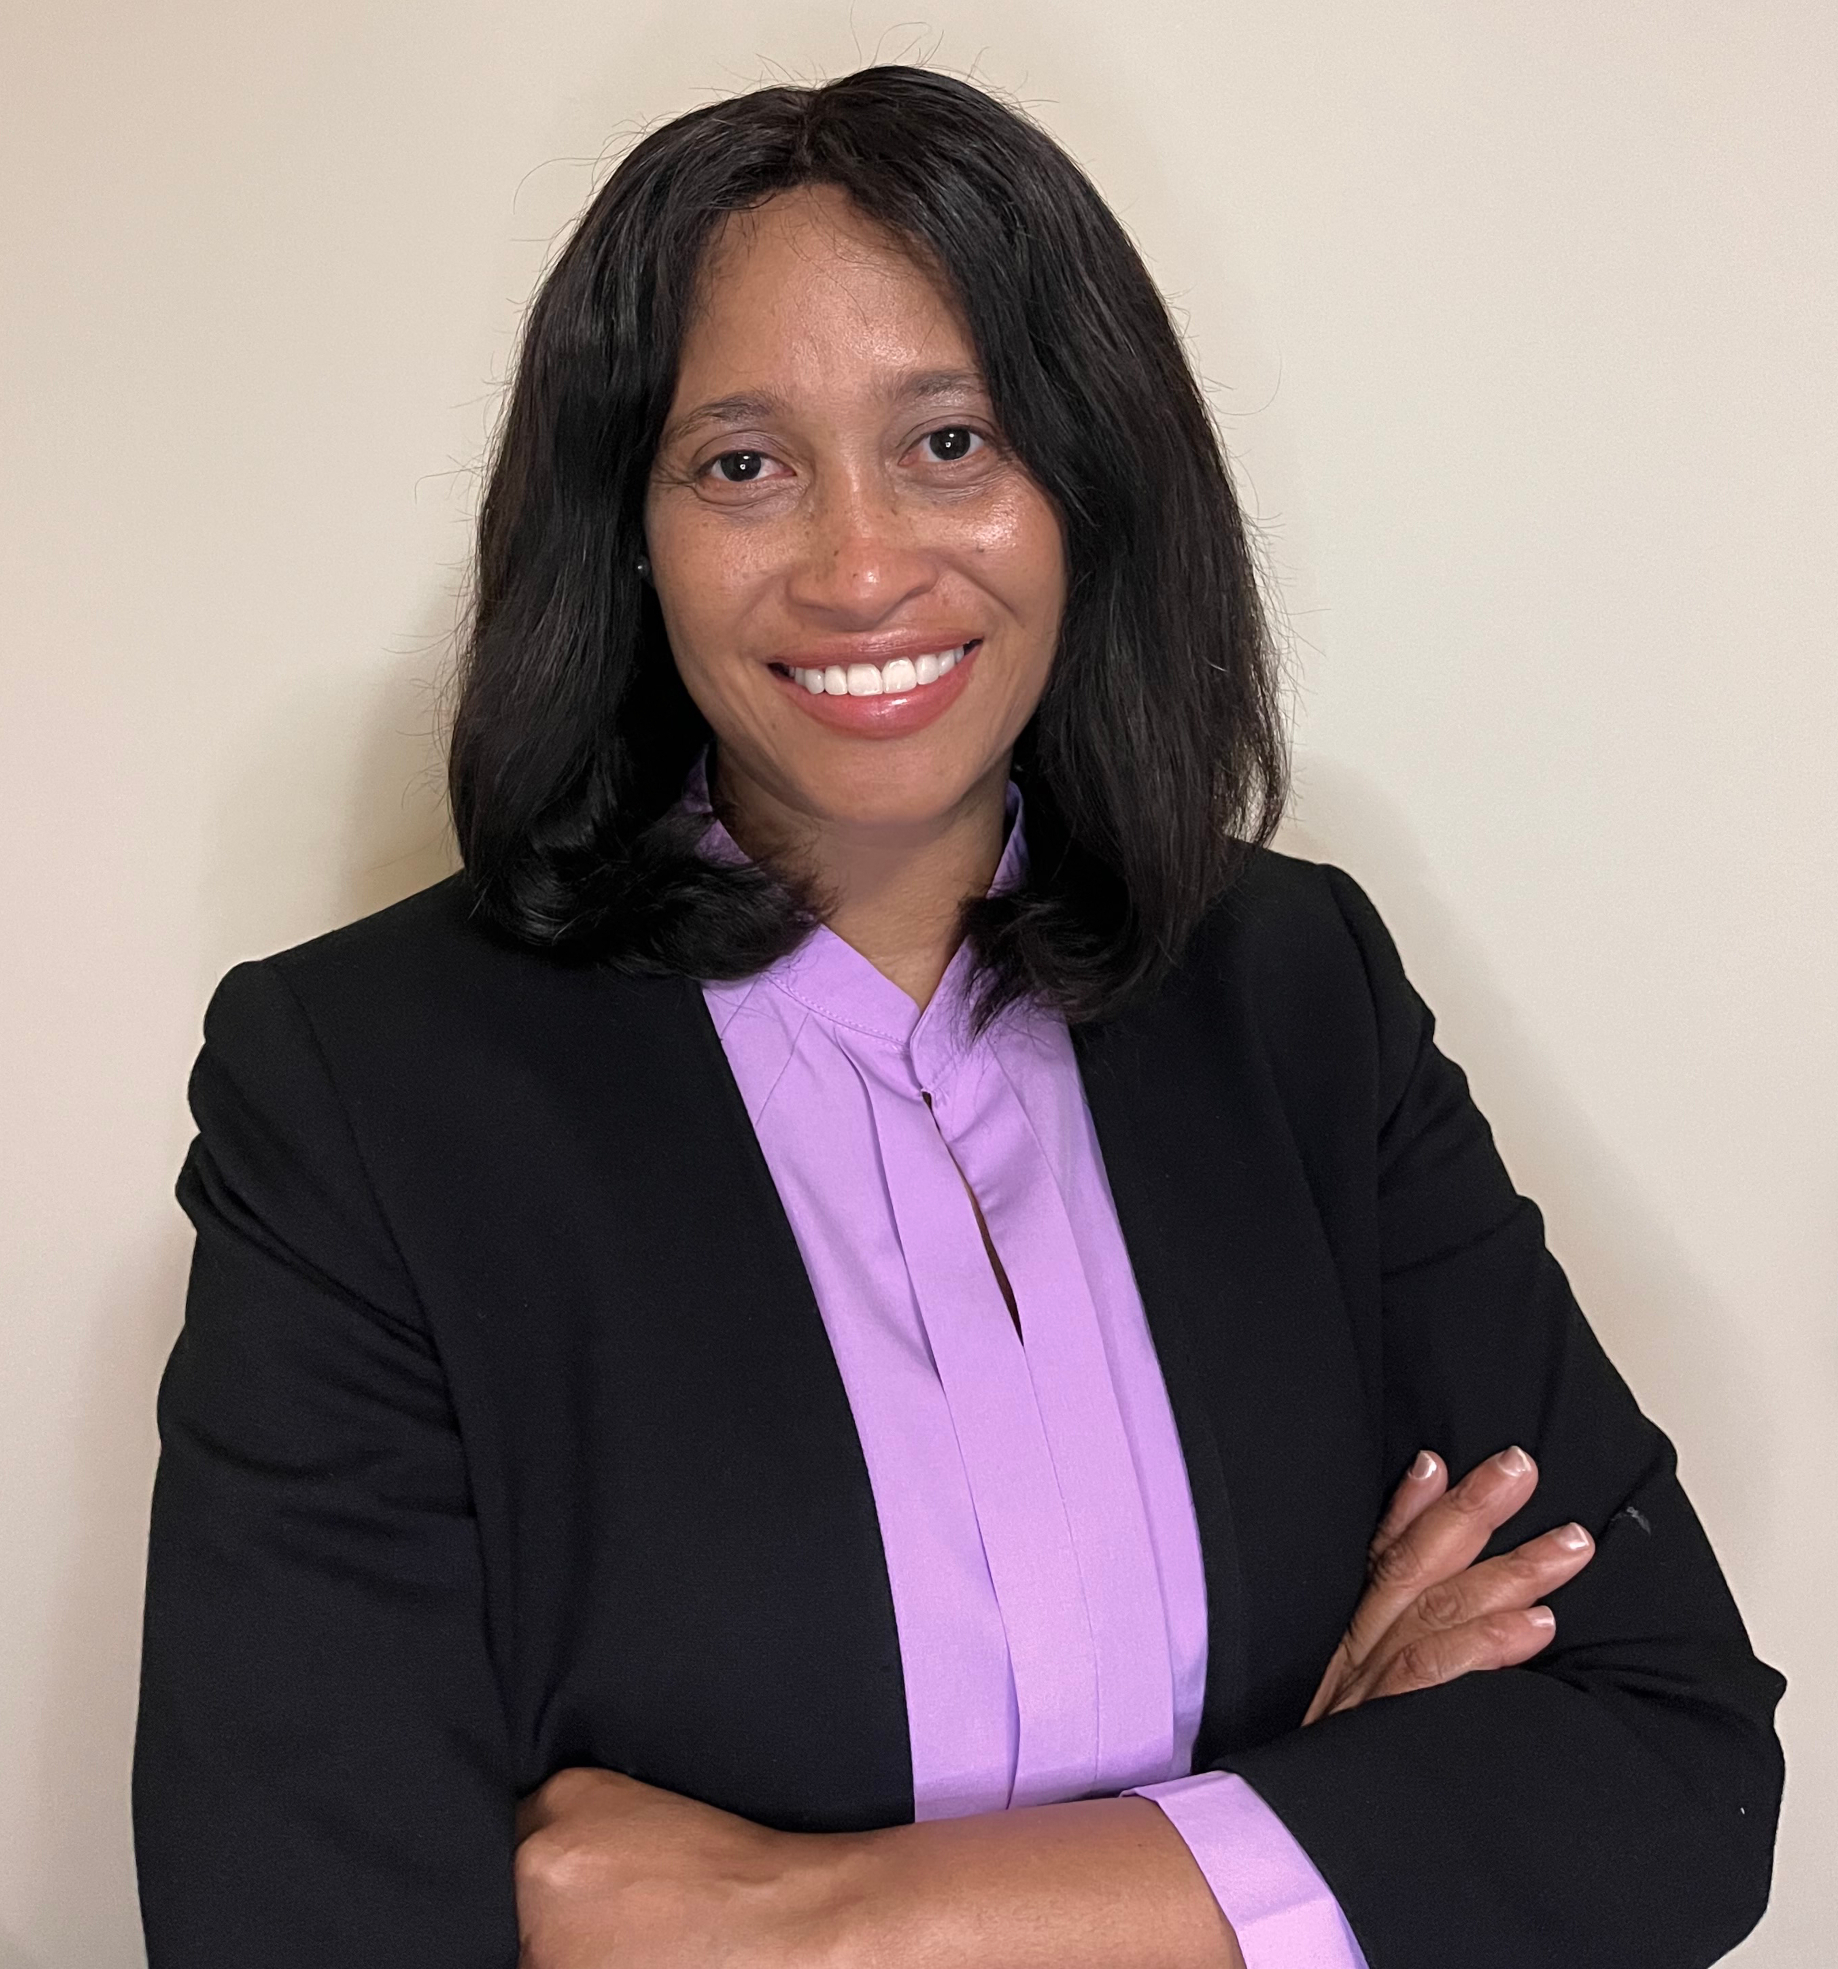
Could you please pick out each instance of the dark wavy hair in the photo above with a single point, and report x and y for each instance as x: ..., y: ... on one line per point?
x: 1155, y: 760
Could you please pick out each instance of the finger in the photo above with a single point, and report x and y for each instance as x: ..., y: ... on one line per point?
x: 1445, y: 1540
x: 1335, y: 1678
x: 1424, y: 1482
x: 1507, y: 1584
x: 1497, y: 1640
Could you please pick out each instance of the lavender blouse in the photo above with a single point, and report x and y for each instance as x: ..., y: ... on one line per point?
x: 1040, y: 1539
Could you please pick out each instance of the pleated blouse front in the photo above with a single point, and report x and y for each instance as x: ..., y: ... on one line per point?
x: 1040, y: 1538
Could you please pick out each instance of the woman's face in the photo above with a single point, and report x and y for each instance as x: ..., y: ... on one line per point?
x: 832, y: 503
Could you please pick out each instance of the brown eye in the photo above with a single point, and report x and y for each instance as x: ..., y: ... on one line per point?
x: 740, y: 467
x: 952, y: 443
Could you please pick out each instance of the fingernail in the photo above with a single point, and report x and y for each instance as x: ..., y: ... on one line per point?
x: 1424, y: 1468
x: 1573, y: 1538
x: 1513, y: 1462
x: 1541, y: 1617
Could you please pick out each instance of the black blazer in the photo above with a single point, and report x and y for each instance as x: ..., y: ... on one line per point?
x: 503, y: 1434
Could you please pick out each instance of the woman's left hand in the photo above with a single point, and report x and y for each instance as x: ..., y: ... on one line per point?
x: 613, y: 1870
x: 1434, y: 1610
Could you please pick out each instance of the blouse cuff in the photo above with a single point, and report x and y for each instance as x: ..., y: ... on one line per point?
x: 1281, y: 1910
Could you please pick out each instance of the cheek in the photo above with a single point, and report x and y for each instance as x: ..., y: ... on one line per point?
x: 1021, y: 556
x: 708, y: 578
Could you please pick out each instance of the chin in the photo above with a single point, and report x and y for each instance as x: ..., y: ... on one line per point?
x: 882, y: 791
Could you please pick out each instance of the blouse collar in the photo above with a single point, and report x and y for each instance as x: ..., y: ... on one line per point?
x: 834, y: 980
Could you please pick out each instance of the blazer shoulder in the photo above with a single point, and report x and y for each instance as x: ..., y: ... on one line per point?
x: 426, y: 988
x: 1303, y: 951
x: 428, y: 962
x: 436, y: 925
x: 273, y: 1023
x: 1285, y: 915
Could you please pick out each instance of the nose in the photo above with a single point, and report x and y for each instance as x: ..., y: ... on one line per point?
x: 859, y: 555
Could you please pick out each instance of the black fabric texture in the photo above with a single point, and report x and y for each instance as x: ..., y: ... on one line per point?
x: 503, y: 1435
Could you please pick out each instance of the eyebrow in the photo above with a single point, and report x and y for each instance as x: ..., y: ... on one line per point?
x: 761, y: 406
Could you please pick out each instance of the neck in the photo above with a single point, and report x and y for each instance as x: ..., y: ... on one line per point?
x: 894, y: 889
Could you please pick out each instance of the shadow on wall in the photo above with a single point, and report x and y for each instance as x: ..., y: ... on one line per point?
x: 1679, y: 1351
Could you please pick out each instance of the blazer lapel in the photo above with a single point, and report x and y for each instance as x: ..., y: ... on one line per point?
x: 698, y: 1593
x: 750, y: 1487
x: 1248, y: 1319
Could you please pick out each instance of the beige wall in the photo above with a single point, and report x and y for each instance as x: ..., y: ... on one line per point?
x: 1521, y: 319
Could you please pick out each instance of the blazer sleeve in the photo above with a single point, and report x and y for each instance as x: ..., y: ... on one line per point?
x: 1611, y: 1804
x: 321, y: 1771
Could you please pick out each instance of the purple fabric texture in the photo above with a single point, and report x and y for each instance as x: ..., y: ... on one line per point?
x: 1040, y: 1538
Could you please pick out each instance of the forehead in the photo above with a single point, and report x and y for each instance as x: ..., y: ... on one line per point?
x: 807, y: 291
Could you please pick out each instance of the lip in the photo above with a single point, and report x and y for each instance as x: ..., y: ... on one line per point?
x: 894, y: 716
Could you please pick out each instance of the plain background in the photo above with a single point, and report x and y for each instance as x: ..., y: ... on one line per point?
x: 1520, y: 319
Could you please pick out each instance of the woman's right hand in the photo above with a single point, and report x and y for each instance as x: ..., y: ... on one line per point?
x: 1430, y: 1613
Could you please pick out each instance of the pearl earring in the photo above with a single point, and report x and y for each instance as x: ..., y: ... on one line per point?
x: 644, y: 567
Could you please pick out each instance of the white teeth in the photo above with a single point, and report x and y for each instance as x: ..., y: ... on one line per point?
x: 866, y: 680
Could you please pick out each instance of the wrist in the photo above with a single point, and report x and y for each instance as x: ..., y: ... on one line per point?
x: 831, y: 1895
x: 1101, y: 1882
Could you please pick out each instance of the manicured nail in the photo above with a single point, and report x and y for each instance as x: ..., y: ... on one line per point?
x: 1573, y: 1538
x: 1541, y: 1617
x: 1513, y: 1462
x: 1424, y: 1468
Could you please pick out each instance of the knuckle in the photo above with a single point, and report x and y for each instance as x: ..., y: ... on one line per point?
x: 1443, y: 1604
x: 1525, y: 1569
x: 565, y: 1789
x: 1471, y: 1500
x: 1398, y: 1565
x: 1413, y: 1667
x: 551, y: 1862
x: 1503, y: 1633
x: 1493, y: 1642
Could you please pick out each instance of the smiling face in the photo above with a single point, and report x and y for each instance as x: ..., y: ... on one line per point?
x: 861, y: 585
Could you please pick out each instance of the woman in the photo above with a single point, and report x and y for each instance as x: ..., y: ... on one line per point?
x: 806, y: 1364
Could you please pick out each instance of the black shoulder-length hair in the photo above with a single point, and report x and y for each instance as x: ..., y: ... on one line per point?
x: 1155, y: 760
